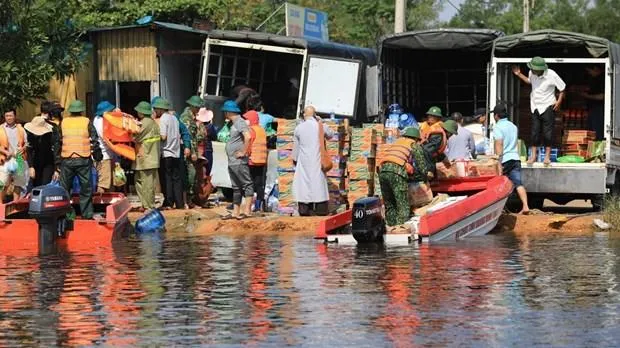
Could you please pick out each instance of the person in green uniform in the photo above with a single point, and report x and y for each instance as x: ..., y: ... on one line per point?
x: 198, y: 133
x: 146, y: 164
x: 435, y: 146
x: 395, y: 167
x: 76, y: 143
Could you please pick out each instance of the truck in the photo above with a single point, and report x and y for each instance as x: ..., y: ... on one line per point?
x: 440, y: 67
x: 464, y: 69
x: 290, y: 73
x: 568, y: 54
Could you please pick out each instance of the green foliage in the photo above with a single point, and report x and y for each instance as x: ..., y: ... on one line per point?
x: 601, y: 18
x: 38, y: 42
x: 358, y: 22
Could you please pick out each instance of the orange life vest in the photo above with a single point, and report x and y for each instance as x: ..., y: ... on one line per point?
x: 436, y: 129
x: 258, y: 154
x: 4, y: 140
x: 398, y: 153
x: 75, y: 137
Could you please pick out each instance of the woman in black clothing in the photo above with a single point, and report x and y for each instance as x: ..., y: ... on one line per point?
x: 40, y: 152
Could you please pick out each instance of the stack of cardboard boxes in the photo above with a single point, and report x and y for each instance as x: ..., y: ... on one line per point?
x: 576, y: 142
x: 337, y: 149
x: 286, y: 167
x: 362, y: 178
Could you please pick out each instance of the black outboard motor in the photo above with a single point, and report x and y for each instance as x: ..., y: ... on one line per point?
x: 368, y: 224
x: 49, y: 205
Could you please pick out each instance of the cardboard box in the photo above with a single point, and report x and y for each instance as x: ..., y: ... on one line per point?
x: 284, y: 146
x: 286, y: 127
x: 358, y: 171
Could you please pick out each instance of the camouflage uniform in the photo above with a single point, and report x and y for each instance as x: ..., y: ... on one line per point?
x: 394, y: 182
x: 198, y: 134
x: 394, y: 186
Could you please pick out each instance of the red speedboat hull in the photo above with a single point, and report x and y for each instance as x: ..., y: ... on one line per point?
x: 20, y: 234
x: 475, y: 215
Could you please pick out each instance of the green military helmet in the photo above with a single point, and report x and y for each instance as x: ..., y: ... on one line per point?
x: 434, y: 111
x: 450, y: 126
x: 76, y: 106
x: 195, y: 101
x: 161, y: 103
x: 144, y: 108
x: 537, y: 64
x: 412, y: 132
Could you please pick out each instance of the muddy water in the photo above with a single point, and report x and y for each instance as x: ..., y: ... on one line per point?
x: 183, y: 289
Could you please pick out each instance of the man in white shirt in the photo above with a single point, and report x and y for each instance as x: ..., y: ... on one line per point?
x: 543, y: 103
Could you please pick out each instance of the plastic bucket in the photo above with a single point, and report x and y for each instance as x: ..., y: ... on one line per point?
x: 151, y: 221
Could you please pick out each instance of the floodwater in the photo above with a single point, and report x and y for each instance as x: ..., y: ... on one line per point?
x: 498, y: 290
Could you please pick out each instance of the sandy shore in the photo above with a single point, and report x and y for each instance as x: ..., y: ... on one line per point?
x: 208, y: 222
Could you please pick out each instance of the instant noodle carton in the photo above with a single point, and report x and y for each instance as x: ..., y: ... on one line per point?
x: 286, y: 127
x: 358, y: 171
x: 285, y: 160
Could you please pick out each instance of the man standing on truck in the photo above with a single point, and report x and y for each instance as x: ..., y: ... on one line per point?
x: 543, y: 103
x: 595, y: 97
x: 505, y: 135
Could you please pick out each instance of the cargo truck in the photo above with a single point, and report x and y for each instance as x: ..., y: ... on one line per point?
x: 464, y: 69
x: 568, y: 54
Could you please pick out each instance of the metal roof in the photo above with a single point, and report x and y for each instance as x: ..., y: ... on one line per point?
x: 165, y: 25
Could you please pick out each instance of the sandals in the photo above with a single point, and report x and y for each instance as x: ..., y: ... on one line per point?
x: 242, y: 217
x: 227, y: 217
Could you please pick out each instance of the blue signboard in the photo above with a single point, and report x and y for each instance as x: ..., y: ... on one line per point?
x: 306, y: 22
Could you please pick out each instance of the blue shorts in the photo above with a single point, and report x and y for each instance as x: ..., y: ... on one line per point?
x: 512, y: 169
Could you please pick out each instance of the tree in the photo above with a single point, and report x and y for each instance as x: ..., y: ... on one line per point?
x: 601, y: 18
x: 358, y: 22
x: 38, y: 42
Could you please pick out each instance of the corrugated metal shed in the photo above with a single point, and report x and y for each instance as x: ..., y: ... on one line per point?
x: 127, y: 54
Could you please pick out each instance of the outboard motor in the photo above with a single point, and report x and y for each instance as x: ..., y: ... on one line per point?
x: 368, y: 224
x: 49, y: 205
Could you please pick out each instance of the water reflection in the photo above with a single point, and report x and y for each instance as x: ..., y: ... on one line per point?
x: 272, y: 290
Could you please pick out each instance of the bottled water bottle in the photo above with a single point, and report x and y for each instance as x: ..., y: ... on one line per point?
x: 332, y: 116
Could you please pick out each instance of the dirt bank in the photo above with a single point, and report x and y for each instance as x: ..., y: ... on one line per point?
x: 544, y: 224
x: 207, y: 222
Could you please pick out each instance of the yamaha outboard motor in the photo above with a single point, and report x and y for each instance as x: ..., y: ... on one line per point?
x: 368, y: 224
x: 49, y: 205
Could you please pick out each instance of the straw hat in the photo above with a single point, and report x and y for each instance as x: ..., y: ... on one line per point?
x: 38, y: 126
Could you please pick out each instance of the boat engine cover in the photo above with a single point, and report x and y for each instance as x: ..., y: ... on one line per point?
x: 49, y: 201
x: 368, y: 224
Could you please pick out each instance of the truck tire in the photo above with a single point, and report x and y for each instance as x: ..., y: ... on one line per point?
x: 598, y: 202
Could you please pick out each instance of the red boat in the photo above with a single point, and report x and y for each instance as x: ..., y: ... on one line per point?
x: 473, y: 209
x: 20, y: 232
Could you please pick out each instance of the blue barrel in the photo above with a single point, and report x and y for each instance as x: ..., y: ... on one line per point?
x: 151, y: 221
x: 93, y: 177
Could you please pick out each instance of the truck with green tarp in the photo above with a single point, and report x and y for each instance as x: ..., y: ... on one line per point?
x: 569, y: 54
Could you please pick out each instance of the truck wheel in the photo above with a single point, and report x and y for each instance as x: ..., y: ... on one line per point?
x: 598, y: 202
